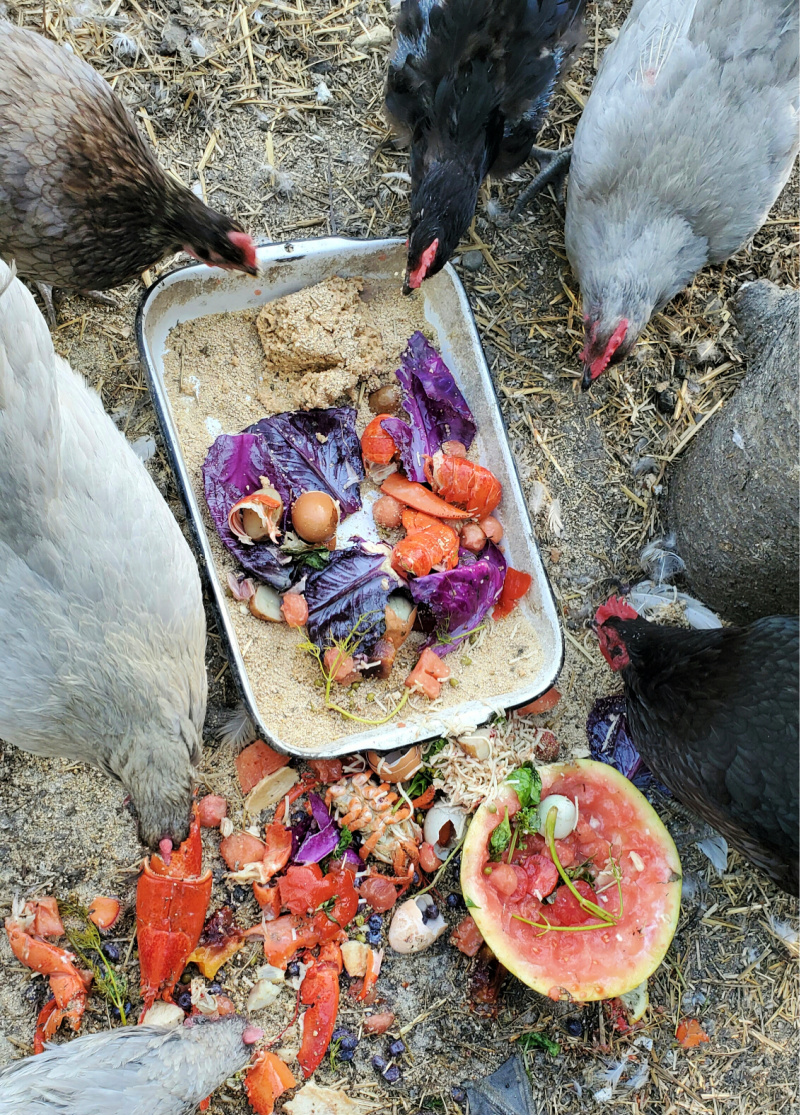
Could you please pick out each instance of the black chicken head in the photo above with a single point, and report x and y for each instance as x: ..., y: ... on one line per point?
x: 611, y: 639
x: 442, y: 206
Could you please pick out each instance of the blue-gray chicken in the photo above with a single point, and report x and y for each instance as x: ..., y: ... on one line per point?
x: 138, y: 1070
x: 687, y: 139
x: 470, y: 82
x: 102, y: 629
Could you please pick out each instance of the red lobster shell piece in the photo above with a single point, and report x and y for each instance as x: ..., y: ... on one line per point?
x: 171, y: 904
x: 70, y: 985
x: 463, y: 483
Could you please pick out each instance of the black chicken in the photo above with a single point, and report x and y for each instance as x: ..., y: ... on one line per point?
x: 714, y: 715
x: 469, y: 84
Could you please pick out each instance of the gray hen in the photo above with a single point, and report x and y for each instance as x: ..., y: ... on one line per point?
x: 686, y: 141
x: 141, y: 1070
x: 102, y: 630
x: 83, y: 202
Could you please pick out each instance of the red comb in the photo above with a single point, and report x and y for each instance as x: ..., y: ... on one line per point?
x: 616, y: 606
x: 245, y: 242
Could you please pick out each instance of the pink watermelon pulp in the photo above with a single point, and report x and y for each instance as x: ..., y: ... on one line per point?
x: 617, y: 830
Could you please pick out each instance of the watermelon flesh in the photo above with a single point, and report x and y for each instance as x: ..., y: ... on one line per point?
x: 580, y: 965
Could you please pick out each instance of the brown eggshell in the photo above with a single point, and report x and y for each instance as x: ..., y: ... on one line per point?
x: 396, y: 766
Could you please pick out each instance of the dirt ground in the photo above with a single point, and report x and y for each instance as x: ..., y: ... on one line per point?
x: 273, y: 110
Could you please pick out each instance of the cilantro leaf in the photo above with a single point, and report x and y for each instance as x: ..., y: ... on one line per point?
x: 317, y: 559
x: 500, y: 838
x: 539, y: 1041
x: 345, y: 840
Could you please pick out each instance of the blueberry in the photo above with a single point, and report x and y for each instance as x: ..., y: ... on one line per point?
x: 392, y: 1074
x: 292, y: 969
x: 415, y: 880
x: 346, y: 1039
x: 115, y: 1011
x: 456, y: 863
x: 214, y: 989
x: 112, y: 952
x: 574, y: 1027
x: 379, y: 1063
x: 373, y: 938
x: 430, y: 913
x: 454, y: 901
x: 346, y: 1054
x: 397, y: 1047
x: 375, y: 922
x: 184, y: 999
x: 459, y: 1095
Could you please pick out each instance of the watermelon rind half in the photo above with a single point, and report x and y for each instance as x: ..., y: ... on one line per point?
x: 585, y: 966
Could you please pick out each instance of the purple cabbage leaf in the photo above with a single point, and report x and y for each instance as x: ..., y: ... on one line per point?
x: 232, y: 470
x: 435, y: 405
x: 610, y: 742
x: 460, y: 598
x: 349, y: 595
x: 314, y: 450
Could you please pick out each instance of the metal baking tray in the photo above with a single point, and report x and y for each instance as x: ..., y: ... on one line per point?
x: 195, y: 291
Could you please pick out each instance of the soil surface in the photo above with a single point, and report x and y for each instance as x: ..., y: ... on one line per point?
x: 273, y: 112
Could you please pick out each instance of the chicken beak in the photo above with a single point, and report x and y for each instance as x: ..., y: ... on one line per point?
x: 407, y: 288
x: 586, y: 378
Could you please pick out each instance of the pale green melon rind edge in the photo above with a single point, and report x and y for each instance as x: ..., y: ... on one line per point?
x: 472, y: 852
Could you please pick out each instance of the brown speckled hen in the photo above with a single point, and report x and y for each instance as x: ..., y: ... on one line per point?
x: 84, y: 204
x: 714, y: 714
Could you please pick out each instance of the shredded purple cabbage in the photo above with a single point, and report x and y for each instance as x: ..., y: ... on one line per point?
x: 318, y: 845
x: 300, y: 829
x: 349, y: 592
x: 232, y: 470
x: 460, y: 598
x: 435, y: 405
x: 610, y: 742
x: 313, y: 451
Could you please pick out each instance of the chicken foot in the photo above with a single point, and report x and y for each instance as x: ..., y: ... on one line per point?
x: 46, y: 293
x: 553, y: 168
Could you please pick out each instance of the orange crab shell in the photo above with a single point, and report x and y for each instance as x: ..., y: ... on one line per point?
x: 377, y: 446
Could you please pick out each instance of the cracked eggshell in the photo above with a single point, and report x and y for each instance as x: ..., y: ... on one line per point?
x: 444, y: 827
x: 262, y: 994
x: 409, y: 933
x: 396, y: 766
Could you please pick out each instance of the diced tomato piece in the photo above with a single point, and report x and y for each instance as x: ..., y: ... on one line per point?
x: 515, y: 585
x: 428, y: 860
x: 379, y: 1023
x: 504, y: 878
x: 284, y: 937
x: 210, y: 811
x: 103, y: 911
x: 269, y: 899
x: 542, y: 876
x: 301, y: 889
x: 46, y: 918
x: 542, y: 704
x: 256, y: 762
x: 295, y: 609
x: 278, y: 841
x: 225, y: 1005
x: 467, y: 937
x: 326, y: 770
x: 379, y: 893
x: 566, y: 910
x: 690, y: 1033
x: 240, y: 848
x: 428, y: 675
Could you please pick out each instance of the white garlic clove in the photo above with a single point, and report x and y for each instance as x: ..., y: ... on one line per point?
x: 262, y: 995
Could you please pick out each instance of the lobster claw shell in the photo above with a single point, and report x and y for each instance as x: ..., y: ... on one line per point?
x: 170, y: 914
x: 267, y: 506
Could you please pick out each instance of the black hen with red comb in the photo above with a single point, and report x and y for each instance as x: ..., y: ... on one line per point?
x: 714, y: 714
x: 469, y: 84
